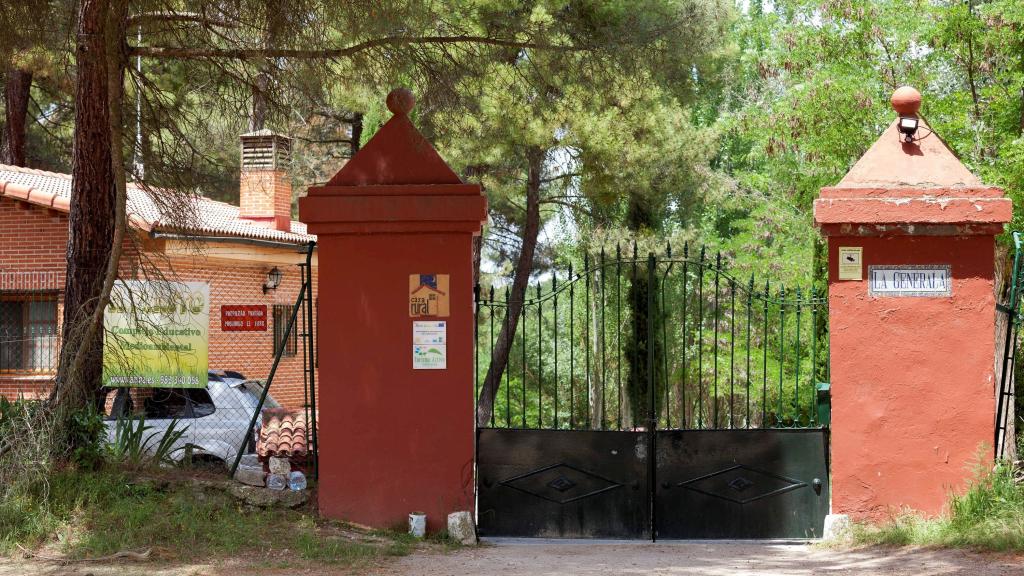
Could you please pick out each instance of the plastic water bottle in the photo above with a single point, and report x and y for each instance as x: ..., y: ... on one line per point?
x: 276, y: 482
x: 297, y: 480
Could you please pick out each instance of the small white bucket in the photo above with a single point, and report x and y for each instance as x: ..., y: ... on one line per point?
x: 418, y: 524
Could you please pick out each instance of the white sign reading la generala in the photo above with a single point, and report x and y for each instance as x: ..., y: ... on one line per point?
x: 928, y: 281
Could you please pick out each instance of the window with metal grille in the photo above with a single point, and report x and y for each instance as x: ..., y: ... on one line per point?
x: 290, y: 342
x: 28, y: 332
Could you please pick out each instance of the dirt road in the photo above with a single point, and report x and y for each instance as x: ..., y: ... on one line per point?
x: 574, y: 558
x: 519, y: 558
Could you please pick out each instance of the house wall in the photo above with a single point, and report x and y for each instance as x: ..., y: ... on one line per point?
x: 251, y: 353
x: 33, y: 242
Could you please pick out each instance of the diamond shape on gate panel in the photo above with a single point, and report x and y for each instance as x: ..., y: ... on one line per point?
x: 754, y: 484
x: 740, y: 484
x: 561, y: 483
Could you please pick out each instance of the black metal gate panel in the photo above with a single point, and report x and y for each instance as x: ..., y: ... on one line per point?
x: 741, y: 483
x: 563, y: 483
x: 659, y: 397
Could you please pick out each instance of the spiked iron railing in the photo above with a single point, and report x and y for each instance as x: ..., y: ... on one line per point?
x: 664, y: 341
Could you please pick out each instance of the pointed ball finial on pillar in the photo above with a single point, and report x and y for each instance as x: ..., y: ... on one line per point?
x: 401, y: 101
x: 906, y: 101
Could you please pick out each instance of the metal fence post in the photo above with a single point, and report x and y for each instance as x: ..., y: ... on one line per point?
x: 311, y: 338
x: 273, y: 370
x: 652, y: 416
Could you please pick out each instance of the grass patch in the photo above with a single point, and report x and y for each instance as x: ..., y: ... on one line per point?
x: 92, y: 514
x: 989, y: 516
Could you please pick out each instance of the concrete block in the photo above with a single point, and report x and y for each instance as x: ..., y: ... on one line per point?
x: 461, y: 528
x: 251, y: 460
x: 837, y: 527
x: 251, y: 475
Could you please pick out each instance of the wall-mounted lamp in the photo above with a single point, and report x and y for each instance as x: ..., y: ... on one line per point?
x: 273, y: 280
x: 908, y: 127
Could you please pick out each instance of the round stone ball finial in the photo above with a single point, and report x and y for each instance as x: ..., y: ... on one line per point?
x: 401, y: 101
x: 906, y: 101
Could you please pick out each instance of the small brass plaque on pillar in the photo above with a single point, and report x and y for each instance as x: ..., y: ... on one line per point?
x: 428, y: 295
x: 851, y: 263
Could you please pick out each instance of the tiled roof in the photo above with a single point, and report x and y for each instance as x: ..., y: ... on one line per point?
x: 214, y: 218
x: 283, y: 434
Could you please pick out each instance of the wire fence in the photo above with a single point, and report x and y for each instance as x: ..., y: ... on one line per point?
x: 260, y: 358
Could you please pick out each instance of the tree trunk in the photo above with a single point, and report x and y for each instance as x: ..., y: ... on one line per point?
x: 1002, y: 279
x: 524, y: 266
x: 596, y: 379
x: 258, y: 119
x: 93, y: 210
x: 357, y: 132
x: 272, y: 21
x: 16, y: 96
x: 639, y: 219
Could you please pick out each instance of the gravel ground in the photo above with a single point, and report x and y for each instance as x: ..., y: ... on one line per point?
x: 576, y: 558
x: 552, y: 558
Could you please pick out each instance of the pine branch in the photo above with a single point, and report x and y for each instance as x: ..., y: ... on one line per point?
x: 178, y: 17
x: 339, y: 53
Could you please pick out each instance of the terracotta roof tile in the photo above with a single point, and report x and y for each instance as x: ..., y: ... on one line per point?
x: 283, y: 434
x: 53, y: 190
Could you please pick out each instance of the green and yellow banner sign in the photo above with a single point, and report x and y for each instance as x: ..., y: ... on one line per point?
x: 157, y: 334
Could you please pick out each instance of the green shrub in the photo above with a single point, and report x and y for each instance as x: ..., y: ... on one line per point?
x: 133, y: 447
x: 88, y: 437
x: 105, y: 511
x: 988, y: 516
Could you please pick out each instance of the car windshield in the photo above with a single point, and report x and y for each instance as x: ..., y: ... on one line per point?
x: 252, y: 389
x: 158, y: 403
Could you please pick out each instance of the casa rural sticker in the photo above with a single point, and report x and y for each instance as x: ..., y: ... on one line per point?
x: 428, y: 295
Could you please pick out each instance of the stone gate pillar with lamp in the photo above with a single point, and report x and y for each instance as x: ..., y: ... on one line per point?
x: 911, y: 243
x: 395, y: 232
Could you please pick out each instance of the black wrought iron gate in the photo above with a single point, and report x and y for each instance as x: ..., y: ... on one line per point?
x: 654, y: 398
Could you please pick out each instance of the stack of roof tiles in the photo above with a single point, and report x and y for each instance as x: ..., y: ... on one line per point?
x: 283, y: 434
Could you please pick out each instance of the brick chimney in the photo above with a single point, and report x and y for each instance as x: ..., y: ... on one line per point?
x: 266, y: 192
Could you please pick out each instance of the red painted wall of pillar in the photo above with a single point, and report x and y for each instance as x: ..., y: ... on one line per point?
x: 913, y: 377
x: 393, y: 440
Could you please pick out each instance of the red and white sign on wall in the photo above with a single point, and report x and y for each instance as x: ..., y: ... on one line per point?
x: 243, y: 318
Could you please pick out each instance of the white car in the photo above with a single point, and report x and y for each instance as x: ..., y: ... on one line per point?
x: 217, y: 417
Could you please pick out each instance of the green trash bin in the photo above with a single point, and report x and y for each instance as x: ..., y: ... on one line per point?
x: 823, y: 403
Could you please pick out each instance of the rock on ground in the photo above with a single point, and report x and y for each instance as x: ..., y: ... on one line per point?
x: 280, y: 466
x: 265, y: 498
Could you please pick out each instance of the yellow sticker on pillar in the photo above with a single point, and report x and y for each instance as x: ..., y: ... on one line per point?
x: 851, y: 263
x: 428, y: 295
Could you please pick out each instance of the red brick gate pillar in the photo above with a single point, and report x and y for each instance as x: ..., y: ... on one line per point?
x: 395, y: 231
x: 912, y: 319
